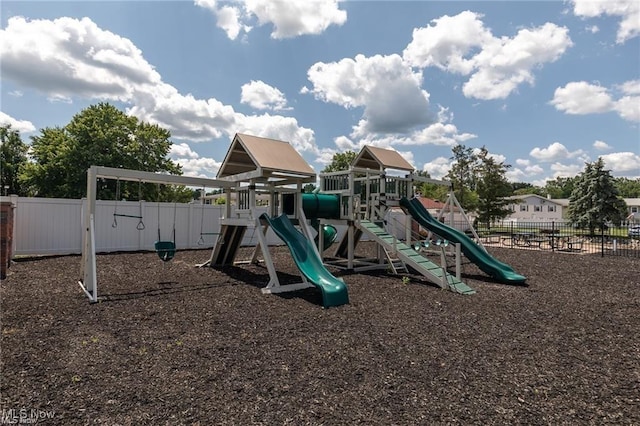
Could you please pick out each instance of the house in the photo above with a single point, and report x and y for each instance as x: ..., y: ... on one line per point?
x: 535, y: 208
x: 633, y: 204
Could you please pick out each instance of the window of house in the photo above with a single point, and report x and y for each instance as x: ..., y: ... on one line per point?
x: 524, y: 207
x: 551, y: 208
x: 537, y: 208
x: 634, y: 209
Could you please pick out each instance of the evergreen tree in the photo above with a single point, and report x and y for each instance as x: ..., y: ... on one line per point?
x: 13, y: 158
x: 493, y: 187
x: 463, y: 176
x: 595, y: 199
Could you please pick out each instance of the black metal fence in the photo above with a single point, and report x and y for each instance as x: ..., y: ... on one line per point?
x: 622, y: 240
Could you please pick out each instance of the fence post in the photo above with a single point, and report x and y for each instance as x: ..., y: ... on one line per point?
x: 602, y: 239
x: 511, y: 232
x: 553, y: 236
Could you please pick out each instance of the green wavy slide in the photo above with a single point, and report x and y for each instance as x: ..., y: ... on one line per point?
x: 487, y: 263
x: 334, y: 291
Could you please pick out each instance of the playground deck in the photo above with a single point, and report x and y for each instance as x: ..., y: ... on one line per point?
x: 174, y: 344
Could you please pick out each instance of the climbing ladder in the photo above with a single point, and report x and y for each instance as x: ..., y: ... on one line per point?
x: 434, y: 273
x: 396, y: 264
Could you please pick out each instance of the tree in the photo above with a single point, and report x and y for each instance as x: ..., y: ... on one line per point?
x: 105, y: 136
x: 524, y: 188
x: 629, y: 188
x: 340, y: 161
x: 560, y: 187
x: 309, y: 188
x: 463, y: 176
x: 492, y: 188
x: 13, y: 158
x: 595, y: 199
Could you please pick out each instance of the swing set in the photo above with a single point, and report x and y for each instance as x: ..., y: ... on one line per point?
x: 166, y: 249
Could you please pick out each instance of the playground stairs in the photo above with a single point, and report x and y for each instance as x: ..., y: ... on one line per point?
x: 228, y: 244
x: 433, y: 272
x: 343, y: 248
x: 397, y: 265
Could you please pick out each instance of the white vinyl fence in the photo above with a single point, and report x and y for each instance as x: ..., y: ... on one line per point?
x: 54, y: 226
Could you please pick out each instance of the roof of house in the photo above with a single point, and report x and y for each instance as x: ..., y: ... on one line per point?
x: 559, y: 201
x: 248, y: 153
x: 431, y: 204
x: 372, y: 157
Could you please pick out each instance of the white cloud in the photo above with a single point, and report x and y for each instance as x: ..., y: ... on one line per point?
x: 581, y: 98
x: 277, y: 127
x: 260, y: 95
x: 437, y: 168
x: 523, y: 162
x: 296, y: 18
x: 385, y: 86
x: 566, y: 170
x: 554, y: 152
x: 23, y: 126
x: 497, y: 65
x: 593, y: 29
x: 16, y: 93
x: 628, y: 107
x: 601, y: 146
x: 182, y: 150
x: 627, y: 10
x: 199, y: 167
x: 446, y: 42
x: 69, y: 58
x: 631, y: 87
x: 623, y: 163
x: 289, y: 18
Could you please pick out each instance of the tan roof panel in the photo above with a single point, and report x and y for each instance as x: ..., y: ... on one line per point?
x: 372, y: 157
x: 248, y: 153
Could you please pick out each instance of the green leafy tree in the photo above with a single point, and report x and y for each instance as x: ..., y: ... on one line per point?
x: 105, y: 136
x: 560, y: 187
x: 524, y: 188
x: 308, y: 188
x: 340, y: 161
x: 628, y: 188
x: 595, y: 199
x: 13, y: 158
x: 463, y: 176
x: 493, y: 187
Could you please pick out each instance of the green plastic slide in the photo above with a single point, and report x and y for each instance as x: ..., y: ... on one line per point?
x: 334, y: 290
x: 487, y: 263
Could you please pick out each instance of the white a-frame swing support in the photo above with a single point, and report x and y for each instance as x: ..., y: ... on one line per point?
x: 88, y: 274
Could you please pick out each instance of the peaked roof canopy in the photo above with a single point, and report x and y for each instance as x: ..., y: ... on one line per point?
x: 256, y: 157
x: 371, y: 157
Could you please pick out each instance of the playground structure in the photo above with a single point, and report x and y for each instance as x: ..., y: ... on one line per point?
x: 359, y: 199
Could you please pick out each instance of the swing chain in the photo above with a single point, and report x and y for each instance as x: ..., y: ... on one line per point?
x: 115, y: 207
x: 140, y: 226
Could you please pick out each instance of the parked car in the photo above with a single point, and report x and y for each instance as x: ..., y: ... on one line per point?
x: 634, y: 231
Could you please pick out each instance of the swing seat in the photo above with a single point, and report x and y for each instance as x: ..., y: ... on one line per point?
x: 165, y: 250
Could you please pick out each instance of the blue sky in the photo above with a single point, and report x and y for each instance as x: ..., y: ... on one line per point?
x: 544, y: 85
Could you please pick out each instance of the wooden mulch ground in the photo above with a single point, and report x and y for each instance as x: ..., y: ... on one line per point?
x: 173, y: 344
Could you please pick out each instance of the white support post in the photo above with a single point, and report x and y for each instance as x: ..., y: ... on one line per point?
x: 88, y: 280
x: 458, y: 261
x: 268, y: 261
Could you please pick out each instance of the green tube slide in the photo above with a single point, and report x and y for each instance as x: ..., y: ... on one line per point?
x: 487, y: 263
x: 315, y: 205
x: 334, y: 291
